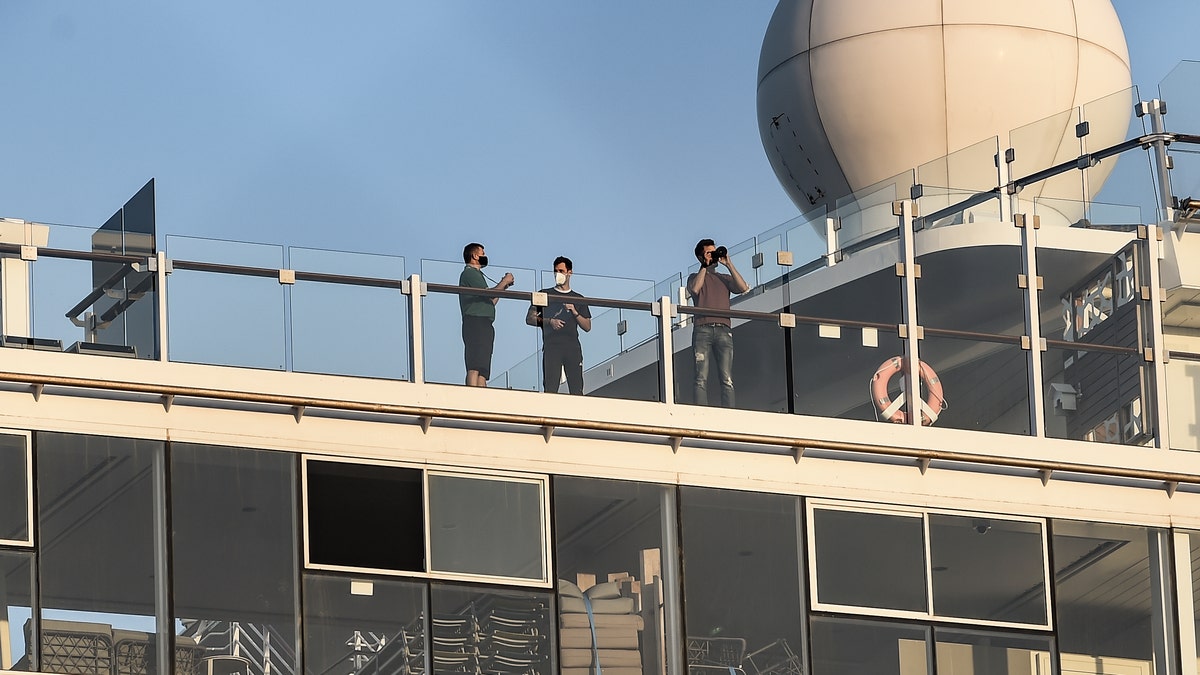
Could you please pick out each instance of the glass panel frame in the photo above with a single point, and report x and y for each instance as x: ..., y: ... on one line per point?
x: 427, y: 520
x: 9, y: 480
x: 543, y: 525
x: 984, y: 520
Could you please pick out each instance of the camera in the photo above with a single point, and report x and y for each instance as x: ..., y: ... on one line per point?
x: 721, y: 252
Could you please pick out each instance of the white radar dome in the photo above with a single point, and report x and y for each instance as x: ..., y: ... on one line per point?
x: 853, y: 92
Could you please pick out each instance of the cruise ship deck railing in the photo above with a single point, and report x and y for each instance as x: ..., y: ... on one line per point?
x: 861, y: 222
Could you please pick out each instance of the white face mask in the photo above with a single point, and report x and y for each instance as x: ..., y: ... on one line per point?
x: 560, y: 279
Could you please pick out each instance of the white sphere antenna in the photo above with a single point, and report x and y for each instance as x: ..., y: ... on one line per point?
x: 852, y: 92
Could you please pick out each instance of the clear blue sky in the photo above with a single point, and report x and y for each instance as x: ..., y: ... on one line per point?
x: 615, y: 132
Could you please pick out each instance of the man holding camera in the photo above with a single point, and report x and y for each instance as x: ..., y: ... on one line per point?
x: 478, y: 315
x: 560, y: 321
x: 712, y: 336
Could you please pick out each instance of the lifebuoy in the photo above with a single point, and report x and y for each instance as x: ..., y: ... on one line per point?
x: 893, y: 411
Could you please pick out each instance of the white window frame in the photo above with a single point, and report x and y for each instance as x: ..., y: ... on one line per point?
x: 28, y: 542
x: 541, y: 480
x: 813, y: 505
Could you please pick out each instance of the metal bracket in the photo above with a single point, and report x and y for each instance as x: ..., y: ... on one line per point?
x: 676, y: 441
x: 1046, y: 474
x: 547, y: 432
x: 622, y: 327
x: 1082, y: 129
x: 298, y: 412
x: 37, y: 390
x: 1148, y: 354
x: 28, y: 253
x: 540, y: 299
x: 426, y: 422
x: 168, y: 400
x: 783, y: 258
x: 1171, y: 487
x: 923, y: 465
x: 287, y: 277
x: 756, y: 261
x: 787, y: 320
x: 798, y: 453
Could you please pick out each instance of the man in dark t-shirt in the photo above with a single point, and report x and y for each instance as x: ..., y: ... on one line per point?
x: 560, y: 321
x: 712, y: 336
x: 478, y: 314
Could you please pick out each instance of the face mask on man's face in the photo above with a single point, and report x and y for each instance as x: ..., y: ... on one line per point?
x: 560, y: 279
x: 483, y: 261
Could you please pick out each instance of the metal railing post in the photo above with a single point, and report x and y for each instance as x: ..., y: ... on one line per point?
x: 1152, y: 293
x: 164, y: 268
x: 903, y: 210
x: 415, y: 289
x: 666, y: 369
x: 1158, y: 126
x: 1032, y: 341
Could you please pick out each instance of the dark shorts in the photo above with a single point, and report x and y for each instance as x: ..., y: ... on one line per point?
x: 478, y: 335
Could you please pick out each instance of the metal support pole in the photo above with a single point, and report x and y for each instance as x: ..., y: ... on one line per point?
x: 666, y: 368
x: 908, y: 300
x: 1028, y: 225
x: 164, y: 268
x: 672, y: 607
x: 1151, y: 280
x: 831, y: 241
x: 1162, y: 603
x: 1185, y: 616
x: 1003, y: 176
x: 415, y: 289
x: 164, y: 621
x: 1157, y: 109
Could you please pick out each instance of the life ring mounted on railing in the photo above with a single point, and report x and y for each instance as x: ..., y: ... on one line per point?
x: 893, y: 411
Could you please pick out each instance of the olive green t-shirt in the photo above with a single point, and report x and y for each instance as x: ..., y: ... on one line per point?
x: 475, y: 305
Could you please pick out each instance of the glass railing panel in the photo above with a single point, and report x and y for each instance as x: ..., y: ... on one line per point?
x: 609, y: 334
x: 634, y: 371
x: 1183, y: 394
x: 741, y: 255
x: 973, y: 313
x: 1095, y: 395
x: 1185, y: 176
x: 514, y: 340
x: 349, y: 328
x: 742, y: 364
x: 867, y: 213
x: 1125, y: 179
x: 941, y: 206
x: 1039, y: 146
x: 844, y: 334
x: 971, y: 169
x: 1096, y: 215
x: 805, y: 238
x: 976, y: 383
x: 222, y: 317
x: 1091, y: 321
x: 87, y: 300
x: 1178, y: 90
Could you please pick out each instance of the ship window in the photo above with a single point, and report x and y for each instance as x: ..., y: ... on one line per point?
x: 96, y: 551
x: 614, y: 543
x: 491, y: 631
x: 364, y: 516
x: 866, y: 559
x: 234, y: 559
x: 363, y: 625
x: 975, y: 567
x: 487, y: 526
x: 16, y: 581
x: 853, y: 647
x: 16, y: 488
x: 988, y: 569
x: 741, y: 576
x: 1111, y: 602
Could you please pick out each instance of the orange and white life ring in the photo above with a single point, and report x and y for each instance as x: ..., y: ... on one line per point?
x: 893, y: 411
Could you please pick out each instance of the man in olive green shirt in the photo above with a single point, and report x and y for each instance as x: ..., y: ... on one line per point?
x: 478, y: 315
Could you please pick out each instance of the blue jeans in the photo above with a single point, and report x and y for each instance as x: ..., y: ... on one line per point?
x: 713, y: 342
